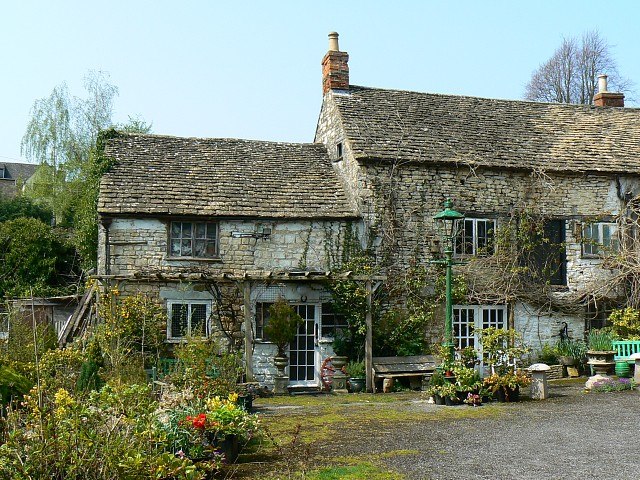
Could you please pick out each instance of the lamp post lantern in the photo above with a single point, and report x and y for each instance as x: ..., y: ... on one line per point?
x: 448, y: 223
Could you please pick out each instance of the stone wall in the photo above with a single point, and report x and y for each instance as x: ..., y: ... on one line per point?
x: 140, y: 245
x: 398, y: 199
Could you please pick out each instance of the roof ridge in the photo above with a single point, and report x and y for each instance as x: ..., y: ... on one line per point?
x: 508, y: 100
x: 217, y: 139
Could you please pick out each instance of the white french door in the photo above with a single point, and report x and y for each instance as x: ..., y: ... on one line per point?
x: 304, y: 353
x: 469, y: 318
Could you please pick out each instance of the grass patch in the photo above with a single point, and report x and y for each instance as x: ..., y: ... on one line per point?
x: 362, y: 471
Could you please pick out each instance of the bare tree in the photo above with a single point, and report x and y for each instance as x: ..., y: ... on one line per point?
x: 571, y: 74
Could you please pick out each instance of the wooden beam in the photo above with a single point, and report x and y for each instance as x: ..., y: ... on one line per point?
x: 248, y: 332
x: 368, y: 346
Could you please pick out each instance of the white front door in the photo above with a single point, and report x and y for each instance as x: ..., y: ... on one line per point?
x: 304, y: 353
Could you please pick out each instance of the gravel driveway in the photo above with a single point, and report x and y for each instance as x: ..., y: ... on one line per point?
x: 569, y: 436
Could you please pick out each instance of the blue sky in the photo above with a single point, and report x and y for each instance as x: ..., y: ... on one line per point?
x: 250, y: 69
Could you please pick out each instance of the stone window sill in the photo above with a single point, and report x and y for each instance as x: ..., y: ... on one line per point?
x: 195, y: 259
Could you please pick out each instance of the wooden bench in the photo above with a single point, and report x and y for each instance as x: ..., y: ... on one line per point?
x: 418, y: 368
x: 625, y: 348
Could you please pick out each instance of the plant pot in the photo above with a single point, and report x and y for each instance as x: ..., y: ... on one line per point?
x: 506, y: 394
x: 567, y: 361
x: 451, y: 402
x: 229, y: 445
x: 602, y: 362
x: 623, y: 370
x: 339, y: 361
x: 245, y: 402
x: 356, y: 385
x: 281, y: 363
x: 438, y: 399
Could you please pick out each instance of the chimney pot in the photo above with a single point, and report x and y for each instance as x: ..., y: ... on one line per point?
x: 602, y: 83
x: 335, y: 67
x: 333, y: 42
x: 605, y: 98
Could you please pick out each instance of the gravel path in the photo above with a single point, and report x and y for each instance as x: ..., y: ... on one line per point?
x: 570, y: 436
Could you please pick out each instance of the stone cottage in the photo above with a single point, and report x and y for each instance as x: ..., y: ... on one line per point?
x: 400, y: 154
x: 220, y: 228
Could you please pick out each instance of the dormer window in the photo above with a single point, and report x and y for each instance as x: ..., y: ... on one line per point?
x: 339, y: 151
x: 3, y: 172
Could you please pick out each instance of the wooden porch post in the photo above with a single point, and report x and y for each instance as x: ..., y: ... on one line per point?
x: 248, y: 332
x: 368, y: 346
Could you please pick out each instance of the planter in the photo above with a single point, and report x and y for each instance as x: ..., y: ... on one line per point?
x: 567, y: 361
x: 451, y: 402
x: 356, y: 385
x: 623, y: 369
x: 339, y: 361
x: 229, y: 445
x: 438, y: 399
x: 507, y: 394
x: 602, y: 362
x: 245, y: 402
x: 281, y: 363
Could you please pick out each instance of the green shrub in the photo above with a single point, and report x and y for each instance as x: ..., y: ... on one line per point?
x: 600, y: 340
x: 626, y: 323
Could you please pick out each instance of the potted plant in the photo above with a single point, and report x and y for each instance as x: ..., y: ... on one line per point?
x: 601, y: 352
x: 356, y: 373
x: 435, y: 382
x: 467, y: 381
x: 505, y: 387
x: 281, y: 329
x: 564, y: 350
x: 449, y: 392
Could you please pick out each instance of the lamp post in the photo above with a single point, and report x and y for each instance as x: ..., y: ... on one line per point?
x: 447, y: 223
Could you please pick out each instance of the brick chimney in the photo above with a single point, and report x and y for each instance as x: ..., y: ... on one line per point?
x: 335, y: 67
x: 605, y: 98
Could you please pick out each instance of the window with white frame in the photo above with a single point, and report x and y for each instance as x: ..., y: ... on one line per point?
x: 193, y: 239
x: 468, y: 319
x: 476, y: 237
x: 598, y: 237
x: 332, y: 321
x: 188, y: 319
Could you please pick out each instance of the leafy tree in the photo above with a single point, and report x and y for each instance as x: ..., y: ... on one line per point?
x: 61, y: 136
x: 21, y: 206
x: 34, y: 258
x: 571, y: 74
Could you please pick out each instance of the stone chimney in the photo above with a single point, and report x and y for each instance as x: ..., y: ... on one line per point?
x: 335, y: 67
x: 605, y: 98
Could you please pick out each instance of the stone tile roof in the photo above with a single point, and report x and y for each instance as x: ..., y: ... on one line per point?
x: 410, y: 126
x: 14, y: 171
x: 164, y: 175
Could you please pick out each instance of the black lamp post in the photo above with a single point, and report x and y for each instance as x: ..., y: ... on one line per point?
x: 448, y: 224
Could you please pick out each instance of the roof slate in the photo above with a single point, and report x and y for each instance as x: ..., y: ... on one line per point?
x: 165, y: 175
x: 15, y: 171
x: 423, y: 127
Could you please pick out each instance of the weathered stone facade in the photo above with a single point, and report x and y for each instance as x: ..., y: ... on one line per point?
x: 398, y: 197
x: 140, y: 245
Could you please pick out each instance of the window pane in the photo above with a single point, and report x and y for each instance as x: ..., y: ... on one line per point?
x: 606, y: 235
x: 175, y: 229
x: 199, y: 248
x: 198, y: 319
x: 175, y: 248
x: 201, y: 230
x: 186, y: 230
x: 211, y: 231
x: 186, y: 248
x: 178, y: 320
